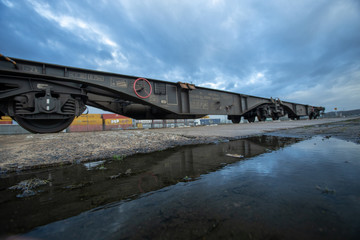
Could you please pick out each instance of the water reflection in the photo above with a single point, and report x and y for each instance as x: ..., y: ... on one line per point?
x: 75, y: 189
x: 280, y: 200
x: 284, y: 199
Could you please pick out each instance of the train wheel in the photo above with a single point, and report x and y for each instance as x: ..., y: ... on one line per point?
x: 236, y: 119
x: 275, y: 117
x: 251, y: 119
x: 46, y: 112
x: 261, y: 118
x: 44, y: 125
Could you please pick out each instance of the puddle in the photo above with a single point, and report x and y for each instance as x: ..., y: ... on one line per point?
x: 303, y: 190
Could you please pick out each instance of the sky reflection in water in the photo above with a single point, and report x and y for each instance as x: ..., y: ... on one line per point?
x: 309, y: 190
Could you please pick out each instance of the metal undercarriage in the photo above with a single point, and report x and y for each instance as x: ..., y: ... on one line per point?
x: 45, y: 98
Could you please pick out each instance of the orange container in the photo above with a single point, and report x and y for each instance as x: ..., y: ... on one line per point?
x: 6, y: 118
x: 90, y: 116
x: 91, y: 121
x: 120, y: 121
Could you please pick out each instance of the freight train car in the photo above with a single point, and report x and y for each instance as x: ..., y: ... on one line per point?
x: 45, y: 98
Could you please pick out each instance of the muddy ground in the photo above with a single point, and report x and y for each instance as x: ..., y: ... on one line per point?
x: 22, y: 152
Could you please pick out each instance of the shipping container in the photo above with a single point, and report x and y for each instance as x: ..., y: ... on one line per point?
x: 90, y: 116
x: 84, y: 128
x: 144, y: 121
x: 120, y: 126
x: 209, y: 121
x: 214, y: 121
x: 157, y: 121
x: 6, y: 118
x: 113, y: 116
x: 91, y: 121
x: 121, y: 121
x: 5, y: 122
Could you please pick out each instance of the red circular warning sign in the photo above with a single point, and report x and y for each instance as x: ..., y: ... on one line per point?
x: 142, y: 88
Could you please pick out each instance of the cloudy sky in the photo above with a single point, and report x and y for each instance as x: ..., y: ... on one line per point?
x: 303, y: 51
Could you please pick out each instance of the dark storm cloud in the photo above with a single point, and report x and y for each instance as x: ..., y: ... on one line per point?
x: 304, y: 51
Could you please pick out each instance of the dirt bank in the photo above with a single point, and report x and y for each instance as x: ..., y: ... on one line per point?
x: 21, y: 152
